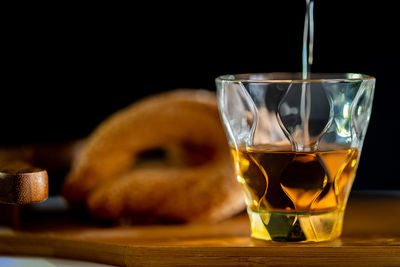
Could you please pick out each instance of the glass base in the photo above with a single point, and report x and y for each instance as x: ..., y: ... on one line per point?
x: 296, y: 227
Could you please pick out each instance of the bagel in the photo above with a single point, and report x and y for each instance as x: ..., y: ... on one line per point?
x: 192, y: 180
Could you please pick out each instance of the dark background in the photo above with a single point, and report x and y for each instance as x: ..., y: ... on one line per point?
x: 66, y: 68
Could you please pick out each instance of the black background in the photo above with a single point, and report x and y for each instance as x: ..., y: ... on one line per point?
x: 66, y: 68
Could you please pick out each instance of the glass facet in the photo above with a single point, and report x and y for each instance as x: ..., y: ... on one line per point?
x: 296, y: 146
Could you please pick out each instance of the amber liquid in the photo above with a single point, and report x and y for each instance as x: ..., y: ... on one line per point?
x: 297, y: 189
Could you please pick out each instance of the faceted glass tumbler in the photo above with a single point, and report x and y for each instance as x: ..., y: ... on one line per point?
x: 296, y: 145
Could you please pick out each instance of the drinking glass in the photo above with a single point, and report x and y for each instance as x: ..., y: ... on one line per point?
x: 296, y: 145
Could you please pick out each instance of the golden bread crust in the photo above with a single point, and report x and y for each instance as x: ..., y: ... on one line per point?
x: 104, y: 175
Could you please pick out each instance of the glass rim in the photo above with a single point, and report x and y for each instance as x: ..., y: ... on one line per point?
x: 330, y: 77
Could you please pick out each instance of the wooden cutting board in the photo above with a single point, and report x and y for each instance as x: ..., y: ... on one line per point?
x: 371, y: 238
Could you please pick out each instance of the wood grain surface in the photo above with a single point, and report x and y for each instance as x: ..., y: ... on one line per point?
x: 22, y: 183
x: 371, y: 238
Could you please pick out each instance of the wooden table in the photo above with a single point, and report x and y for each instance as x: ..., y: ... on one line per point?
x: 371, y: 238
